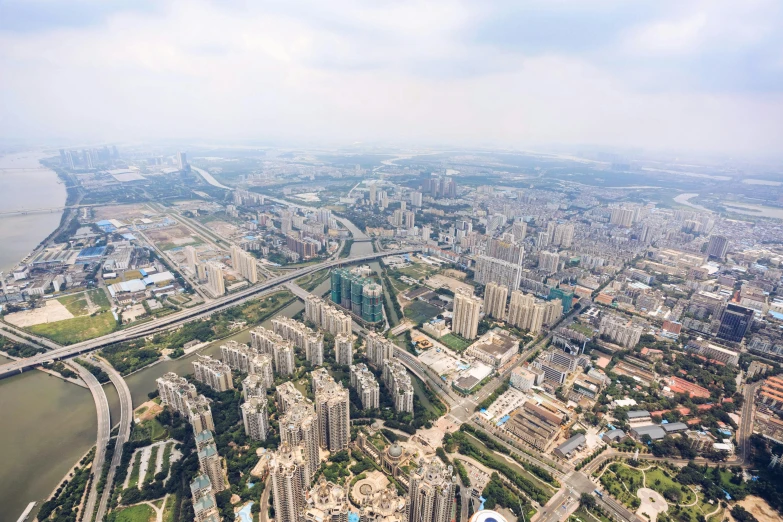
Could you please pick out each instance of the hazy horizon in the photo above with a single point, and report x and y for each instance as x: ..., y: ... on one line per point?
x: 701, y: 77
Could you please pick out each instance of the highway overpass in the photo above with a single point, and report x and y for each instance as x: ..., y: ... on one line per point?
x: 176, y: 319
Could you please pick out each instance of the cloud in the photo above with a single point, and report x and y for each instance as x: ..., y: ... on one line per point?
x: 658, y: 75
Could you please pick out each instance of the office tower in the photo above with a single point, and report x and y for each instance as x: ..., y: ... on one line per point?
x: 69, y: 159
x: 244, y: 263
x: 237, y: 356
x: 505, y: 249
x: 199, y: 414
x: 366, y: 386
x: 519, y: 230
x: 343, y: 349
x: 467, y: 308
x: 563, y: 235
x: 431, y: 492
x: 213, y: 373
x: 175, y: 392
x: 379, y: 350
x: 734, y: 322
x: 204, y: 503
x: 210, y: 463
x: 255, y: 418
x: 182, y: 160
x: 717, y: 247
x: 398, y: 382
x: 501, y: 272
x: 373, y: 193
x: 333, y: 408
x: 88, y: 159
x: 620, y: 330
x: 622, y: 217
x: 548, y: 262
x: 495, y: 300
x: 191, y: 257
x: 299, y: 426
x: 326, y: 502
x: 416, y: 199
x: 289, y: 480
x: 215, y: 283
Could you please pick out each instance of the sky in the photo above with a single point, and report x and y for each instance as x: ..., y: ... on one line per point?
x: 695, y: 75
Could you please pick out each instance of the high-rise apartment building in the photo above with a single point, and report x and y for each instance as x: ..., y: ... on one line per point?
x: 289, y: 481
x: 262, y: 366
x: 519, y: 230
x: 204, y: 502
x: 718, y: 247
x: 467, y: 308
x: 379, y: 350
x: 182, y: 160
x: 299, y: 427
x: 175, y: 392
x: 304, y: 338
x: 199, y: 414
x: 191, y: 258
x: 373, y: 196
x: 621, y: 330
x: 495, y: 300
x: 213, y: 373
x: 548, y: 262
x: 283, y: 357
x: 416, y: 199
x: 326, y: 502
x: 210, y: 463
x: 287, y: 396
x: 244, y: 263
x: 398, y: 382
x: 366, y: 386
x: 431, y: 493
x: 255, y: 418
x: 343, y: 349
x: 253, y: 386
x: 326, y: 316
x: 622, y: 217
x: 563, y: 235
x: 237, y: 356
x: 525, y: 312
x: 506, y: 249
x: 332, y: 405
x: 215, y: 283
x: 501, y: 272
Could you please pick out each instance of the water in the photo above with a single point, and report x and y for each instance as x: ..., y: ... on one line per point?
x: 26, y: 185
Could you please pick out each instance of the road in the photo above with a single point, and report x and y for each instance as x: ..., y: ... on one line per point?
x: 126, y: 411
x: 746, y: 423
x: 104, y: 432
x: 178, y: 318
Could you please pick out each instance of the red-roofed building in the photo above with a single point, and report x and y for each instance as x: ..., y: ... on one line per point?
x: 677, y: 385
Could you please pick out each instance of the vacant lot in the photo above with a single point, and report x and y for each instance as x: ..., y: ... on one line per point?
x: 419, y: 311
x: 77, y: 329
x: 172, y: 237
x: 51, y: 312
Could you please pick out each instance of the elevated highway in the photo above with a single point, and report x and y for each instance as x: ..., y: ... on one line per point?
x: 175, y: 320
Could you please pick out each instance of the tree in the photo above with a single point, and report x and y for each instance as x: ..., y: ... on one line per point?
x: 741, y: 514
x: 587, y: 501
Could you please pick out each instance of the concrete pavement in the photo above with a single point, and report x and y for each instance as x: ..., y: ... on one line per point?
x: 104, y: 432
x: 126, y: 412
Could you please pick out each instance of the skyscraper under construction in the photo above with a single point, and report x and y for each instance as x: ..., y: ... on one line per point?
x: 358, y: 294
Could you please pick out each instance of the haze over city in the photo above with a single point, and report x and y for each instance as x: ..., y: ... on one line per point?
x: 391, y: 261
x: 678, y: 76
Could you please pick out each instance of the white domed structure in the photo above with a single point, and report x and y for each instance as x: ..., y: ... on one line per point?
x: 487, y: 515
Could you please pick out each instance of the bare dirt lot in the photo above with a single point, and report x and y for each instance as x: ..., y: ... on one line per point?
x: 53, y: 311
x: 759, y: 508
x: 171, y: 237
x: 653, y: 503
x: 124, y: 213
x: 223, y: 228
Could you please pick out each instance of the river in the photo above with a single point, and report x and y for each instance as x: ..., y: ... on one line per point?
x: 26, y: 185
x: 49, y: 424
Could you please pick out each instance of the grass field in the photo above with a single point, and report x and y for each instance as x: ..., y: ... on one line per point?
x: 75, y: 303
x: 419, y: 311
x: 457, y: 344
x: 137, y: 513
x: 582, y: 515
x: 168, y: 509
x: 133, y: 478
x: 77, y: 329
x: 151, y: 429
x: 99, y: 298
x: 151, y: 463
